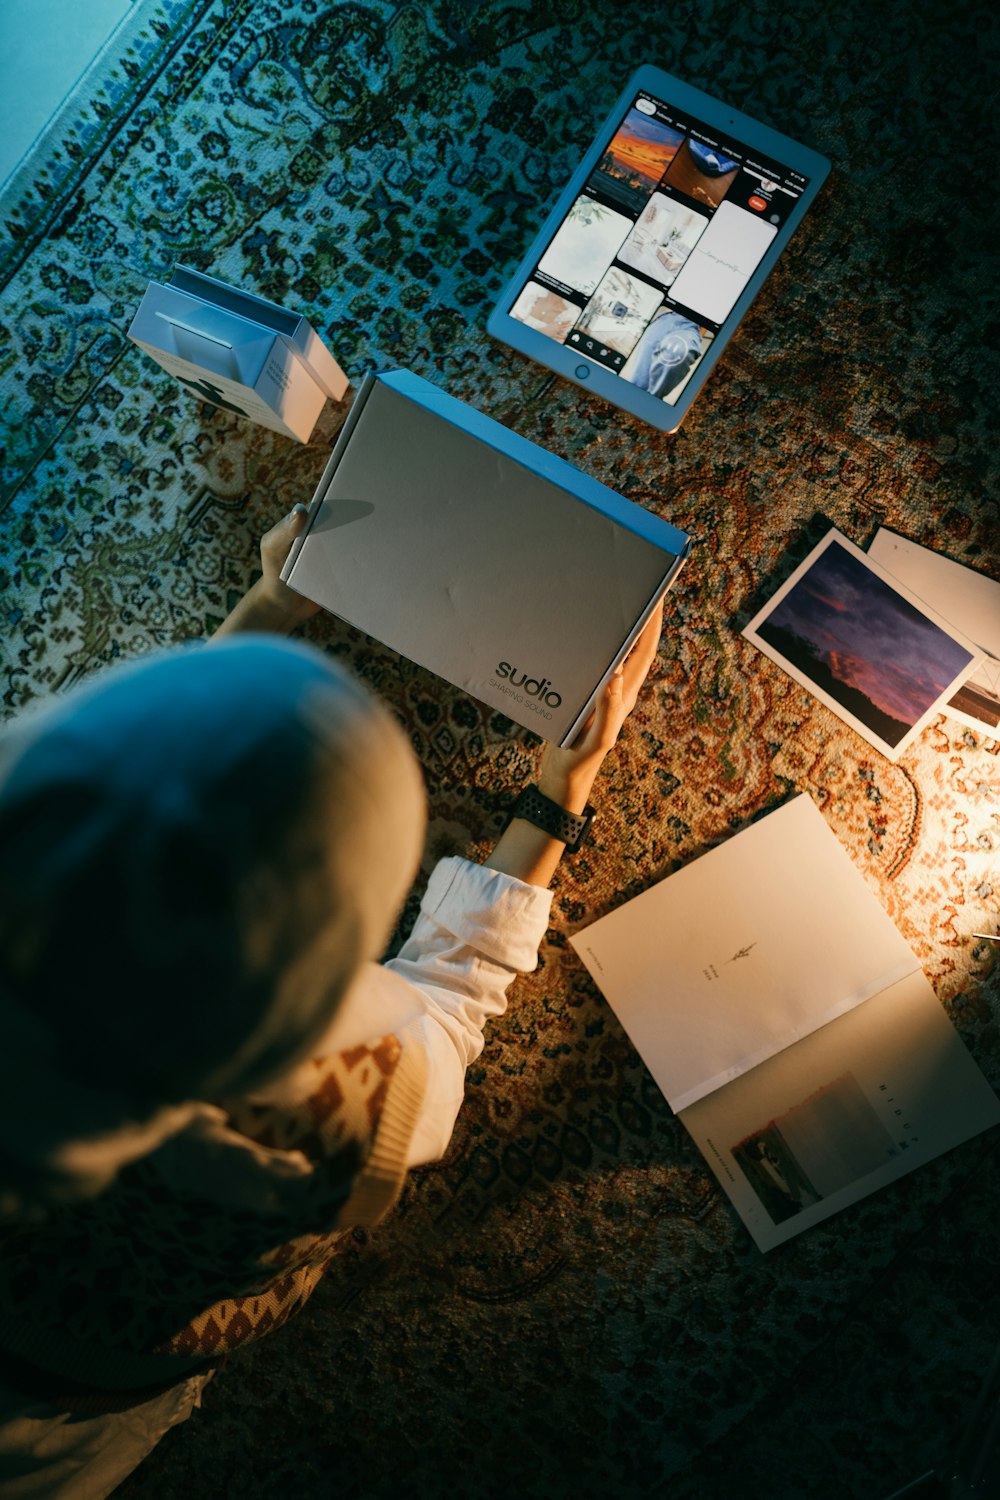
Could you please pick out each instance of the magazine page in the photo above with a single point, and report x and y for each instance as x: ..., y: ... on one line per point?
x: 742, y: 952
x: 867, y: 1099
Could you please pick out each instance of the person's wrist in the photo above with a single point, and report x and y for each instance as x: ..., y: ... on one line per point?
x: 569, y: 787
x: 281, y: 602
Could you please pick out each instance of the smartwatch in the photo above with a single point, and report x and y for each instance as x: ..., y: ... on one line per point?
x: 571, y: 828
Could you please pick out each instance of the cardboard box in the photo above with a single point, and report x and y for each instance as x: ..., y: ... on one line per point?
x: 239, y: 351
x: 479, y: 555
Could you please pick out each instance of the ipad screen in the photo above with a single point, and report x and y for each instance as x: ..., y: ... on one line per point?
x: 653, y: 254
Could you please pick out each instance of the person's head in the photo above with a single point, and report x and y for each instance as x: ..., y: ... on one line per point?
x: 197, y: 853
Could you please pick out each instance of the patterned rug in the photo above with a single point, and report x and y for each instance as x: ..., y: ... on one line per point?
x: 567, y: 1304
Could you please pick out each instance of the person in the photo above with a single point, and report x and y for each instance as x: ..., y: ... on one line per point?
x: 207, y: 1078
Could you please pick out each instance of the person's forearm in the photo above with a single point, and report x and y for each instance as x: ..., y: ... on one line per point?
x: 259, y: 610
x: 526, y: 852
x: 529, y: 853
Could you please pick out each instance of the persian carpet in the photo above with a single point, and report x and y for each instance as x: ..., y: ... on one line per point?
x: 566, y: 1304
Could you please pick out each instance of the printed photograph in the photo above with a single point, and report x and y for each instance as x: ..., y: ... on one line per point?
x: 826, y: 1143
x: 701, y: 173
x: 977, y: 701
x: 636, y: 159
x: 865, y: 647
x: 619, y: 310
x: 667, y: 355
x: 584, y: 245
x: 544, y: 310
x: 665, y: 233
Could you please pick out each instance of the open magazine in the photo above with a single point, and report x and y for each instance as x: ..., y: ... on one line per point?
x: 788, y: 1023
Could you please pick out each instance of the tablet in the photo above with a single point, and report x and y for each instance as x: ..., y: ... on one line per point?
x: 656, y: 249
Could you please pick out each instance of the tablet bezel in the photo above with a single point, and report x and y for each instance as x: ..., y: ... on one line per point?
x: 714, y: 115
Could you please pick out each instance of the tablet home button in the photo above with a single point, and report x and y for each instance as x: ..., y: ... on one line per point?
x: 582, y: 372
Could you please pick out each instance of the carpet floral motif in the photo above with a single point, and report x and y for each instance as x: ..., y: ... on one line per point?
x: 566, y: 1304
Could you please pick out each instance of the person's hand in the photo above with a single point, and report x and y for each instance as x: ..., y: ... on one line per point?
x: 529, y: 853
x: 567, y: 775
x: 275, y: 546
x: 270, y: 604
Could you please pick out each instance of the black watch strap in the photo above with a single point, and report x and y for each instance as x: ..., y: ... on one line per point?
x: 571, y: 828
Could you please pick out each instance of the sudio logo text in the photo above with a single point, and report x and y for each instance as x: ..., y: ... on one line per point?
x: 531, y: 687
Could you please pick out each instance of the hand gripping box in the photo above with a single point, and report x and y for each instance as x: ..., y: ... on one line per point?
x: 478, y: 555
x: 239, y: 351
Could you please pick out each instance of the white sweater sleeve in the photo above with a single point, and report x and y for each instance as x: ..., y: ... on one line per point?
x: 476, y: 930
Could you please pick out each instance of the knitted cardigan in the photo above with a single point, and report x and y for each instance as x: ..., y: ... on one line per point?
x: 218, y: 1237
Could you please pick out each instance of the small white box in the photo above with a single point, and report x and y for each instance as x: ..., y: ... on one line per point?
x: 237, y: 350
x: 479, y: 555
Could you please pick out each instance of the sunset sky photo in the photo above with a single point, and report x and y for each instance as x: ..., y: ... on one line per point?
x: 645, y: 147
x: 870, y: 636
